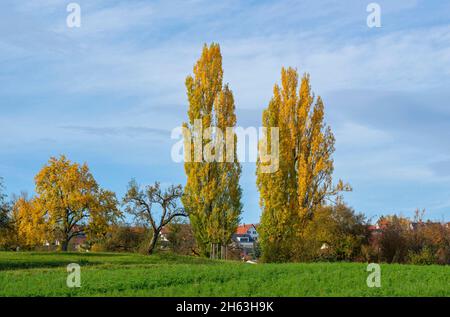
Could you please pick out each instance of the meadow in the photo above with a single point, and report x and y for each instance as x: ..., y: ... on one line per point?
x: 163, y: 274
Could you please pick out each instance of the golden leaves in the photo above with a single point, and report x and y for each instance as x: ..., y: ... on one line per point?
x: 68, y: 202
x: 303, y: 183
x: 212, y: 193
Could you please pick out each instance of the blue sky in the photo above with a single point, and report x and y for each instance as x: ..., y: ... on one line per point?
x: 110, y: 92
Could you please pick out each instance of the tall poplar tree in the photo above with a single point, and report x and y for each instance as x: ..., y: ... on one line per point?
x: 212, y: 193
x: 229, y: 207
x: 303, y: 182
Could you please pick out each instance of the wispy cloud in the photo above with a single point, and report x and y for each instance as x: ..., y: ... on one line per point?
x: 120, y: 131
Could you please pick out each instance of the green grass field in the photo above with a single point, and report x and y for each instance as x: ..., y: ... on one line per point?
x: 108, y: 274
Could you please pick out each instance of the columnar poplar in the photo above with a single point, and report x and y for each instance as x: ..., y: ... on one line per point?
x: 212, y: 193
x: 303, y: 182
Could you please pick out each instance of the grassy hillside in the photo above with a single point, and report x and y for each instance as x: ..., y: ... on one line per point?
x: 108, y: 274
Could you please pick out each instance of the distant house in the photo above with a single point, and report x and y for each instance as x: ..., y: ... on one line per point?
x: 178, y: 237
x: 246, y: 237
x: 374, y: 229
x: 164, y: 234
x: 76, y: 243
x: 249, y: 231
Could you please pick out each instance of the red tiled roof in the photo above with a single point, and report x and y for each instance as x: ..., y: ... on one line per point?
x: 243, y: 229
x: 166, y: 229
x: 79, y: 240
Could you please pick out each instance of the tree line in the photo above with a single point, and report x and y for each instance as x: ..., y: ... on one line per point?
x: 303, y: 214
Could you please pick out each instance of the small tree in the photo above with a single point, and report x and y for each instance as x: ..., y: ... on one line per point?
x: 181, y: 238
x: 394, y: 242
x: 141, y: 203
x: 6, y: 223
x: 4, y: 207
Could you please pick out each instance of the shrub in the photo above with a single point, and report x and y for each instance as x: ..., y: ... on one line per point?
x: 181, y: 239
x: 370, y: 253
x: 123, y: 238
x: 393, y: 242
x: 424, y: 257
x: 417, y: 242
x: 336, y: 233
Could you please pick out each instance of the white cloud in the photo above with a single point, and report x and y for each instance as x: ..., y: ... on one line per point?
x: 352, y: 134
x: 252, y: 65
x: 130, y: 48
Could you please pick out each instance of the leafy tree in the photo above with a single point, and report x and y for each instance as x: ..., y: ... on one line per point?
x: 393, y: 241
x: 31, y: 223
x: 226, y: 214
x: 290, y: 196
x: 7, y: 232
x: 416, y: 241
x: 69, y: 203
x: 141, y: 203
x: 212, y: 195
x: 334, y: 233
x: 9, y: 236
x: 4, y: 207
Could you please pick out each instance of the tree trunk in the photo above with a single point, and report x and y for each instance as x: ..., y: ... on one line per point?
x: 64, y: 245
x: 153, y: 242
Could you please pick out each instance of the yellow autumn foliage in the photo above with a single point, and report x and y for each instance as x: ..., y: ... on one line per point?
x: 303, y: 182
x: 212, y: 195
x: 68, y: 203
